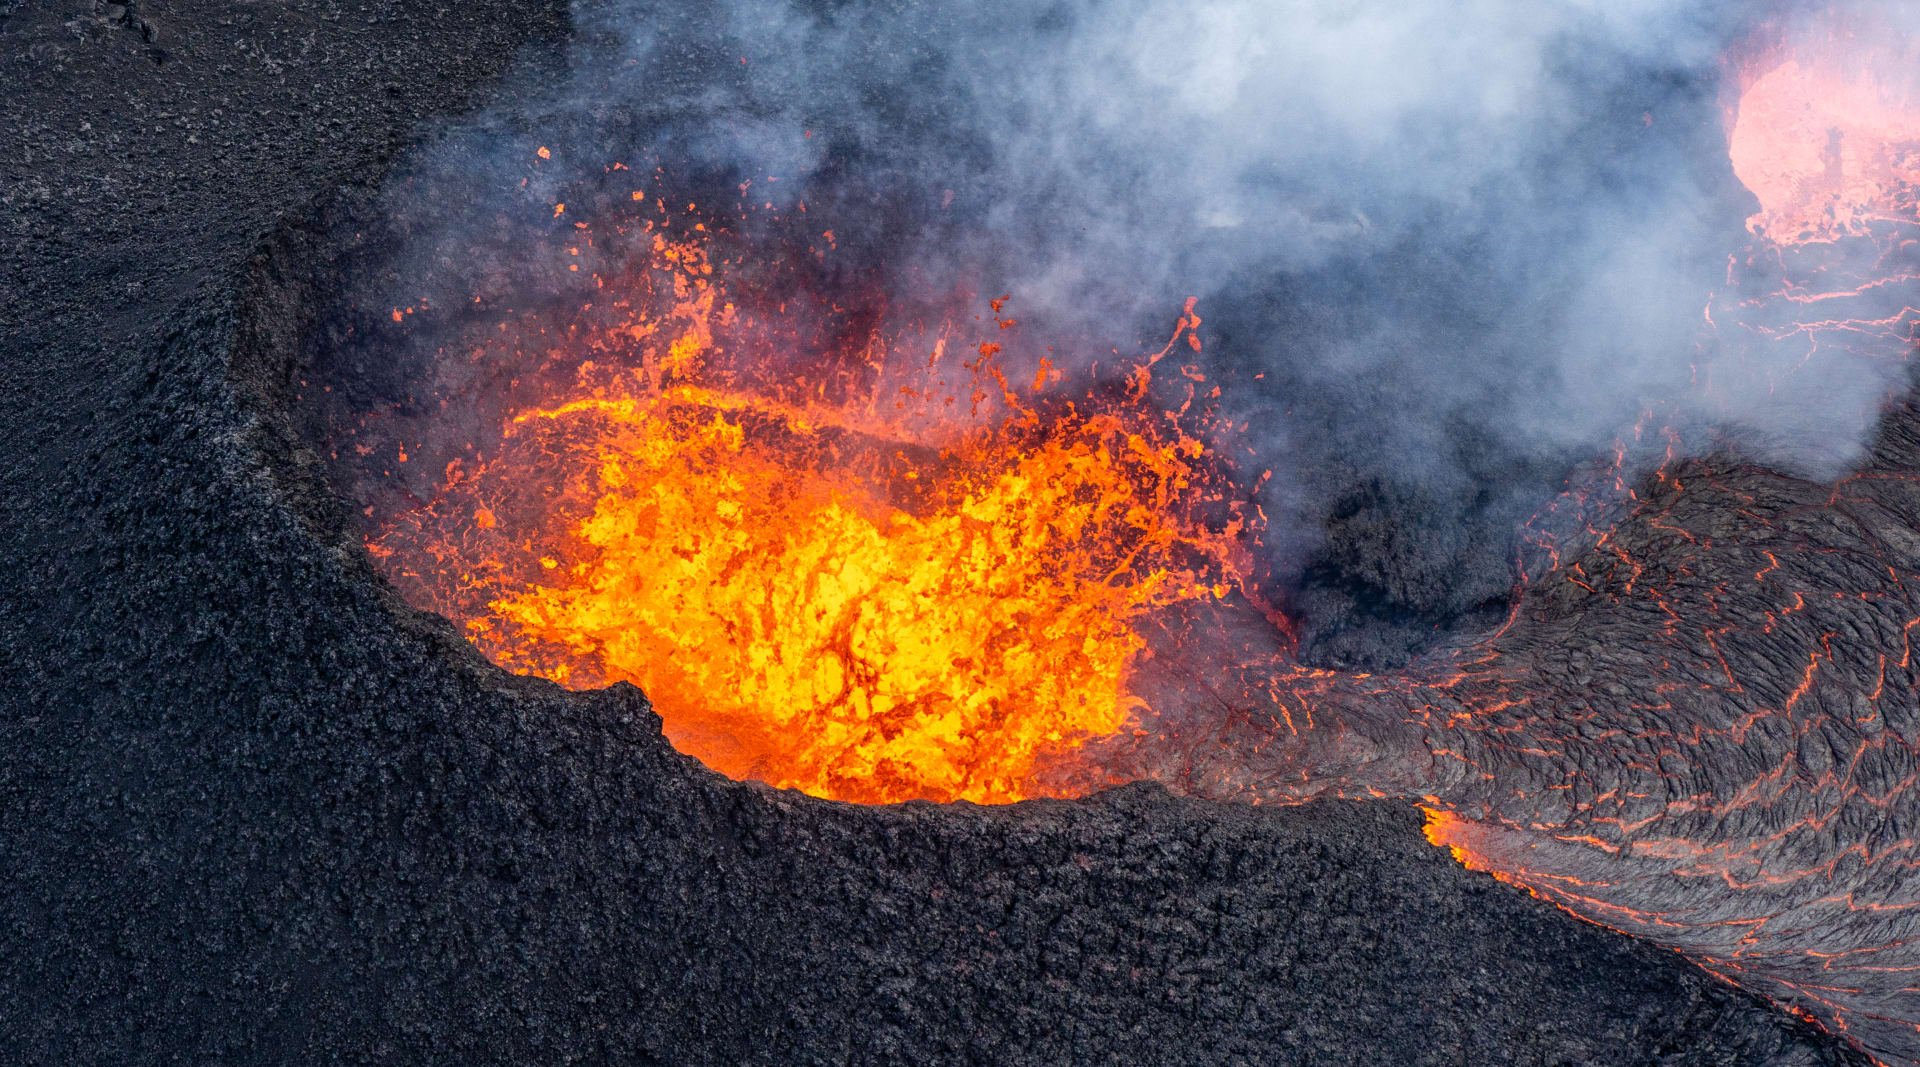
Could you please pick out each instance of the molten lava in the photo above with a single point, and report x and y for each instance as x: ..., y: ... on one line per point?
x: 797, y: 626
x: 896, y: 592
x: 1829, y: 138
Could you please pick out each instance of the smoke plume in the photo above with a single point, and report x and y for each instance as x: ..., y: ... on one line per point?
x: 1446, y: 249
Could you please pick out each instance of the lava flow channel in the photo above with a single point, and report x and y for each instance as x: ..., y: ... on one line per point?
x: 1701, y: 724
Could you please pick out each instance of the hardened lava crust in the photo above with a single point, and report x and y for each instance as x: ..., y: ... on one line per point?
x: 252, y: 809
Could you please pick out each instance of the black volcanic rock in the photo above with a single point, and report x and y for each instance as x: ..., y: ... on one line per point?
x: 254, y: 810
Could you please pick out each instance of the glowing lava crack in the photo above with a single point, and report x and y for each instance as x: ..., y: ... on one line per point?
x: 1704, y: 731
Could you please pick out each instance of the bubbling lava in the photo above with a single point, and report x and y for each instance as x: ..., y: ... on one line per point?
x: 1827, y: 135
x: 869, y: 576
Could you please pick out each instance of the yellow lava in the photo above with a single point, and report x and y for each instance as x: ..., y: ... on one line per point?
x: 903, y: 587
x: 792, y: 625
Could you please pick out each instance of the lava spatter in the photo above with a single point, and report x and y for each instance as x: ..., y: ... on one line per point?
x: 1818, y: 313
x: 909, y: 585
x: 1827, y: 130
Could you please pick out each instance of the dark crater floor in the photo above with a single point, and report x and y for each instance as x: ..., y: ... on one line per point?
x: 252, y: 809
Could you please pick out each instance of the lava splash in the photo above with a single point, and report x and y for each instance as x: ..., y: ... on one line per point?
x: 912, y: 585
x: 1827, y: 131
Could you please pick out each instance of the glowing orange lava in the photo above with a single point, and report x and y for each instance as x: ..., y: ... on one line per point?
x: 1829, y: 137
x: 861, y: 596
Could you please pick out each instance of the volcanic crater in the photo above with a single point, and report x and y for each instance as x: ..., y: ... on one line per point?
x: 318, y: 819
x: 1267, y: 877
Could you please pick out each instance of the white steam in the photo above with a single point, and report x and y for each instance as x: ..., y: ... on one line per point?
x: 1409, y: 216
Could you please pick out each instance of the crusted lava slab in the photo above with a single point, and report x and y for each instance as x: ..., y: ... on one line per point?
x: 253, y: 809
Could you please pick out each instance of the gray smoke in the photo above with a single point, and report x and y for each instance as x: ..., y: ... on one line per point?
x: 1100, y: 160
x: 1463, y: 243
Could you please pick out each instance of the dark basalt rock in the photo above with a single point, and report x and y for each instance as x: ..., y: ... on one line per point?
x: 252, y: 809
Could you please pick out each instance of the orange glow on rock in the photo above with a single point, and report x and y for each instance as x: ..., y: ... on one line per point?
x: 1446, y: 830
